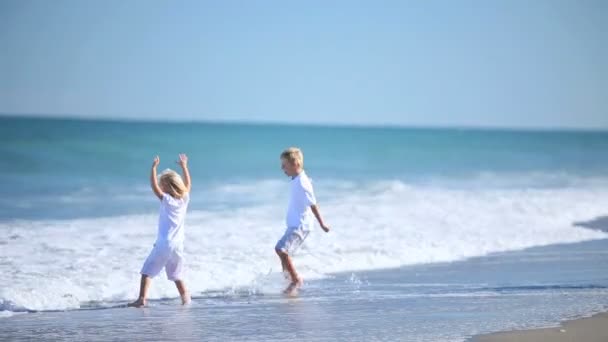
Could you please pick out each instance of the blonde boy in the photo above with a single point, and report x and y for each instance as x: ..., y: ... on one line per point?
x: 302, y: 206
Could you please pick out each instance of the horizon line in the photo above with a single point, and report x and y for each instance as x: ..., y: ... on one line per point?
x: 174, y: 120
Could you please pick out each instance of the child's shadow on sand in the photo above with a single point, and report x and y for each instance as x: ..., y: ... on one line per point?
x: 599, y: 223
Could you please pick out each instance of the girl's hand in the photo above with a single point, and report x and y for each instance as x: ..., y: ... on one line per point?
x: 183, y: 160
x: 156, y: 162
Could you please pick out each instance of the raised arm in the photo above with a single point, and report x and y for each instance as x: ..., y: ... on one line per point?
x: 153, y: 179
x: 183, y: 162
x: 315, y: 210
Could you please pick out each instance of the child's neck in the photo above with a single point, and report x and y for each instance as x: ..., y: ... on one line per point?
x: 297, y: 173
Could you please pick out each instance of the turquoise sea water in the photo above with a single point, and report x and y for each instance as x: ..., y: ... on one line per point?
x: 97, y: 163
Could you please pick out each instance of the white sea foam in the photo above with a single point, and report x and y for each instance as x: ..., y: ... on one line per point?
x: 6, y: 313
x: 62, y: 264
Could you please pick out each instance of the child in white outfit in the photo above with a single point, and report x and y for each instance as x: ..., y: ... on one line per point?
x: 299, y: 221
x: 168, y: 251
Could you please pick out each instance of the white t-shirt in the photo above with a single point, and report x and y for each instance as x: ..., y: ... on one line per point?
x: 301, y: 197
x: 171, y: 218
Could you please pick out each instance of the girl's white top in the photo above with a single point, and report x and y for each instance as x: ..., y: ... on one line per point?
x: 171, y: 219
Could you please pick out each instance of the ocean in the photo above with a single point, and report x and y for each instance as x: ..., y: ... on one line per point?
x: 412, y: 210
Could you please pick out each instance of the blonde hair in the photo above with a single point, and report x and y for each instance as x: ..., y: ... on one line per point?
x: 293, y: 155
x: 172, y: 183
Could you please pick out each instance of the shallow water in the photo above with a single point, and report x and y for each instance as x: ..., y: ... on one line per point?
x: 434, y: 302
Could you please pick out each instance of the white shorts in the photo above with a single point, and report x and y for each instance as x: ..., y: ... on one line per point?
x: 171, y: 258
x: 291, y: 240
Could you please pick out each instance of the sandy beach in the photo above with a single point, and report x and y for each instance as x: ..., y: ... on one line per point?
x: 592, y: 329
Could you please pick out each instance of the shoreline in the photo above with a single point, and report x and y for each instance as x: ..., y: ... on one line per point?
x: 588, y: 329
x: 431, y: 302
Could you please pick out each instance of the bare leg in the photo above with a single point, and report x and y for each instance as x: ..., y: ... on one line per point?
x: 183, y: 292
x: 283, y: 264
x: 144, y: 285
x: 296, y: 281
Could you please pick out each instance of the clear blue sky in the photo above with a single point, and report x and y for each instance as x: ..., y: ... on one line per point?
x: 511, y: 63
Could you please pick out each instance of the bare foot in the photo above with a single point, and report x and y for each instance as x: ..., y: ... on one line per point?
x: 292, y: 289
x: 138, y: 303
x: 186, y: 300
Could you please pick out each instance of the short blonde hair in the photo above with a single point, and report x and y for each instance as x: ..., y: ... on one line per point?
x: 293, y: 155
x: 172, y: 183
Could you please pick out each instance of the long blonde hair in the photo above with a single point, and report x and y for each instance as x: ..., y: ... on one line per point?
x: 172, y: 183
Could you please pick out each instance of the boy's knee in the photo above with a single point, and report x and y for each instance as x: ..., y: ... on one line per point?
x: 280, y: 252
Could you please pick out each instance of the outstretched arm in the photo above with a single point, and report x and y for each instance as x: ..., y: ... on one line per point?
x: 183, y: 162
x: 153, y: 180
x: 315, y: 210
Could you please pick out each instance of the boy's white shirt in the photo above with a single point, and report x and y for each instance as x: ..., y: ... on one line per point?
x: 301, y: 197
x: 171, y: 217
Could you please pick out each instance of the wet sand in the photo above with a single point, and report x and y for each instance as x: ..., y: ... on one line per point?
x: 592, y: 329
